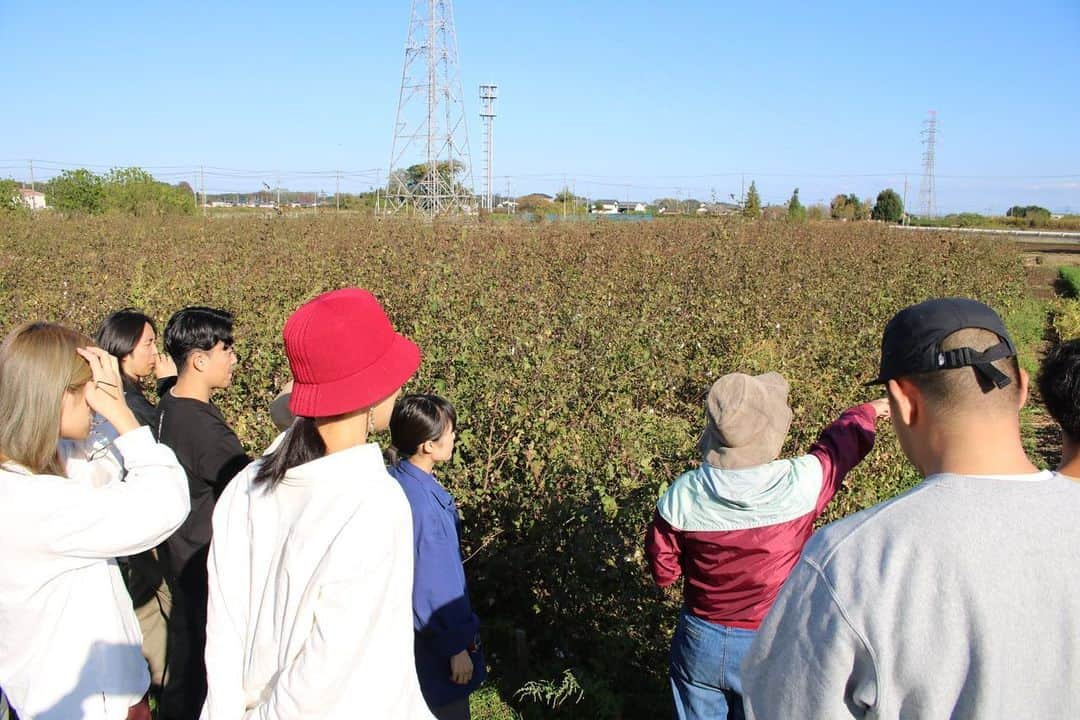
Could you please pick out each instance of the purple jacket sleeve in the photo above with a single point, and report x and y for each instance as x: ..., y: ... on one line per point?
x: 841, y: 446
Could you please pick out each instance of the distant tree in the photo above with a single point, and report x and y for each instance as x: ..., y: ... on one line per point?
x: 536, y: 203
x: 76, y: 191
x: 413, y: 178
x: 134, y: 191
x: 795, y: 209
x: 668, y: 205
x: 817, y: 212
x: 752, y: 203
x: 1030, y: 212
x: 839, y: 208
x: 9, y: 196
x: 889, y: 207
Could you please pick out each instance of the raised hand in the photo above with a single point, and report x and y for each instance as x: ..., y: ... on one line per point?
x: 105, y: 396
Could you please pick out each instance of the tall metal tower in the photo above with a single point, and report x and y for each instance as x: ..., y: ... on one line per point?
x: 487, y: 116
x: 430, y: 168
x: 927, y: 193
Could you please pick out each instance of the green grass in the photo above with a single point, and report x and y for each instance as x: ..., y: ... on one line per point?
x: 486, y: 704
x: 1026, y: 322
x: 1070, y: 276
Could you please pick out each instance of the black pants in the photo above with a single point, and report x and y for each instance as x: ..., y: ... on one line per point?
x: 185, y: 690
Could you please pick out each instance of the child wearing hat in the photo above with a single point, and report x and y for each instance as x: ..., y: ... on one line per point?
x: 311, y: 565
x: 734, y: 527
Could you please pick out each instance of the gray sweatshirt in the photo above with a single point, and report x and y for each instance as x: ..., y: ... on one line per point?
x: 959, y: 598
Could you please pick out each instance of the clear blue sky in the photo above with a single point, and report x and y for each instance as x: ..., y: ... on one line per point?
x: 630, y: 99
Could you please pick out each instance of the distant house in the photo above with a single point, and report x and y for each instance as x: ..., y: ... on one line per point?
x: 614, y: 207
x: 33, y: 199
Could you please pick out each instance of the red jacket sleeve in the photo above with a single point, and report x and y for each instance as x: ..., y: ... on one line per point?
x: 842, y: 446
x: 663, y: 546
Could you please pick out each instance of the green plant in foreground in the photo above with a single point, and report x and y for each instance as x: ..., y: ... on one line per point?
x: 552, y: 693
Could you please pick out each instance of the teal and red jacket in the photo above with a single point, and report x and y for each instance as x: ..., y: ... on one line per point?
x: 735, y: 535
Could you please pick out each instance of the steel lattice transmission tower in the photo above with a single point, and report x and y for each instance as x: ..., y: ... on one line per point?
x: 488, y: 93
x: 430, y: 133
x: 927, y: 193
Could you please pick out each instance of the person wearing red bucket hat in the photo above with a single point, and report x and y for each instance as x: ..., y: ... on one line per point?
x: 311, y: 566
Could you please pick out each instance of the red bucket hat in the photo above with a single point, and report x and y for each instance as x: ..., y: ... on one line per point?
x: 344, y: 354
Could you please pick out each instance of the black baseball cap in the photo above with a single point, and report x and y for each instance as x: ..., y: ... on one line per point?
x: 911, y: 343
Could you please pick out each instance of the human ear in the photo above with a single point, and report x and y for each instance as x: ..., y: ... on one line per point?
x: 904, y: 399
x: 1023, y: 396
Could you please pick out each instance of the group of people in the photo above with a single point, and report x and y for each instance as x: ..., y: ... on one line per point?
x: 958, y: 598
x: 145, y: 552
x: 144, y: 549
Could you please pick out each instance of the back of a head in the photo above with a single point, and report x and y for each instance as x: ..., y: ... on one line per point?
x: 964, y: 390
x: 197, y: 328
x: 38, y: 362
x: 120, y: 332
x: 1059, y: 385
x: 417, y: 419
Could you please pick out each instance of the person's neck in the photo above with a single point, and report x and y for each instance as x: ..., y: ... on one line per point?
x: 189, y: 386
x: 423, y: 462
x: 983, y: 448
x: 1070, y: 459
x: 343, y: 432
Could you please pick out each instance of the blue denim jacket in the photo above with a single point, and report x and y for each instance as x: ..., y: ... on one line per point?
x: 442, y: 615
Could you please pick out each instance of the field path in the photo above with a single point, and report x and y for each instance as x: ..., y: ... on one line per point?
x: 1041, y: 263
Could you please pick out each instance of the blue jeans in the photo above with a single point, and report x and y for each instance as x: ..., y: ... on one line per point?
x: 705, y: 659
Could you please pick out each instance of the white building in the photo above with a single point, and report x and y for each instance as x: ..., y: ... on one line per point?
x: 33, y: 199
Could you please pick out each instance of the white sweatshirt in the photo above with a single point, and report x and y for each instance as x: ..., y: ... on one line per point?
x: 70, y: 645
x: 310, y: 612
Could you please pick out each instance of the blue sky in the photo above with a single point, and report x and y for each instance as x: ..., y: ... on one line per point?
x: 632, y: 100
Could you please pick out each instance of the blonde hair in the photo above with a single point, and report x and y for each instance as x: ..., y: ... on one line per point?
x: 38, y: 363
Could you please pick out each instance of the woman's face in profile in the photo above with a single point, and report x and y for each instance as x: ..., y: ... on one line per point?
x: 75, y: 414
x: 141, y: 360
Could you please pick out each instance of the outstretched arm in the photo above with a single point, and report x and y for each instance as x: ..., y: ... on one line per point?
x: 843, y: 445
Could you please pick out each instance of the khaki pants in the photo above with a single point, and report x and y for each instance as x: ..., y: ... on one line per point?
x: 153, y: 623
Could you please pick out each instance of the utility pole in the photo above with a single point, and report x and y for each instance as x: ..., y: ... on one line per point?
x: 488, y: 94
x: 337, y: 189
x: 31, y: 174
x: 905, y: 200
x: 279, y: 190
x: 202, y: 185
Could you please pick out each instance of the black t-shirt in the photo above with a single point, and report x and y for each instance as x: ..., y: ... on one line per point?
x: 211, y: 454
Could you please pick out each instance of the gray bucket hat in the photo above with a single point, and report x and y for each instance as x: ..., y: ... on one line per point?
x: 746, y: 420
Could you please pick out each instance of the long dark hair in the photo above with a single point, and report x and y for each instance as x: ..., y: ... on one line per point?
x: 415, y: 420
x: 120, y: 332
x: 301, y: 444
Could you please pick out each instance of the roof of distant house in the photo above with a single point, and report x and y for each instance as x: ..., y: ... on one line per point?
x: 27, y: 192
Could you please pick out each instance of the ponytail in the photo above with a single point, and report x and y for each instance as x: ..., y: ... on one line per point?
x: 302, y: 444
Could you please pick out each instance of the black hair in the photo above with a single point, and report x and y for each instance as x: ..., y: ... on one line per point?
x: 415, y: 420
x: 301, y: 444
x: 120, y: 332
x: 197, y: 328
x: 1059, y: 385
